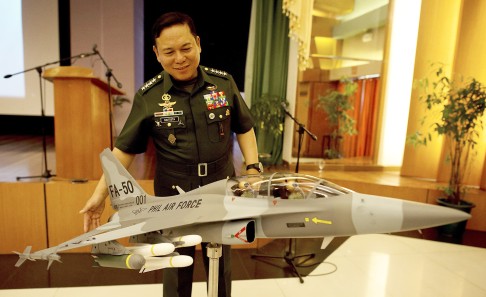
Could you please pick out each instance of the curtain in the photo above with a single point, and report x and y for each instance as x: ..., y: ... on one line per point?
x: 270, y: 67
x: 365, y: 113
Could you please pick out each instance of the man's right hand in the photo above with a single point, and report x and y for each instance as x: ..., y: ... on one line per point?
x: 92, y: 210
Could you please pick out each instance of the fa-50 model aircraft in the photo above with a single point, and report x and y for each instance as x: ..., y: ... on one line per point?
x: 235, y: 211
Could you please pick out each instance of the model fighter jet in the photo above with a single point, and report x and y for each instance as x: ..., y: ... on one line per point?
x: 235, y: 211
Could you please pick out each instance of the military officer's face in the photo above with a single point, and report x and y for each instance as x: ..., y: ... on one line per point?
x: 178, y: 51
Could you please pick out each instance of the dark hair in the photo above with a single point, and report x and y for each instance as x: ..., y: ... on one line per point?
x: 170, y: 19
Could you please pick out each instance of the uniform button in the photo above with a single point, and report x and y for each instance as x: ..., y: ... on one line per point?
x: 169, y: 124
x: 220, y: 116
x: 212, y: 116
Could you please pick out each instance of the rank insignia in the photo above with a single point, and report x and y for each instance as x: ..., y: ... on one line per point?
x: 215, y: 100
x: 149, y: 83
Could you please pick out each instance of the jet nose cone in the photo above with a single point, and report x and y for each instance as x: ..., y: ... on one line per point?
x: 419, y: 216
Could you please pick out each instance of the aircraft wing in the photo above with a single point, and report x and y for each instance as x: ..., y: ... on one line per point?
x: 107, y: 232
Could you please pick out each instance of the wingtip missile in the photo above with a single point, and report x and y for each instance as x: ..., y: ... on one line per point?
x: 23, y: 256
x: 27, y: 255
x: 52, y: 258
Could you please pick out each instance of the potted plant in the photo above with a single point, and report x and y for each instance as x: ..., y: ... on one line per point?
x: 461, y: 105
x: 269, y: 116
x: 337, y: 105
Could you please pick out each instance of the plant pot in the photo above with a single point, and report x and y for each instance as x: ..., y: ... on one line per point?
x: 453, y: 232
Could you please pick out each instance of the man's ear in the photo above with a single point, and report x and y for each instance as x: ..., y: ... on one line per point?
x: 198, y: 42
x: 154, y: 48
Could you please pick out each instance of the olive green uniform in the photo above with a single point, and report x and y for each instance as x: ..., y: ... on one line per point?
x: 192, y: 134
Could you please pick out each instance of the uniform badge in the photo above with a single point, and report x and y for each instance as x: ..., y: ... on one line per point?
x: 211, y: 87
x: 172, y: 139
x: 167, y: 104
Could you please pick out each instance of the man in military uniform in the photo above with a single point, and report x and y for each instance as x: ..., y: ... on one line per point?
x: 191, y: 112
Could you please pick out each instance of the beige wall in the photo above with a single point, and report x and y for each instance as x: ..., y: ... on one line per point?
x: 112, y: 26
x: 451, y: 32
x: 438, y: 29
x: 470, y: 61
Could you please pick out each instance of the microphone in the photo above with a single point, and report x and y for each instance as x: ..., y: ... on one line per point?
x: 109, y: 73
x: 284, y: 107
x: 8, y: 76
x: 313, y: 136
x: 302, y: 127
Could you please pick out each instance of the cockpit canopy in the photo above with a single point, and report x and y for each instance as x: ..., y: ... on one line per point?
x: 283, y: 186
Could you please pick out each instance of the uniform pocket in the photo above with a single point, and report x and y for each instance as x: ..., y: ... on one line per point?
x: 219, y: 123
x: 170, y: 128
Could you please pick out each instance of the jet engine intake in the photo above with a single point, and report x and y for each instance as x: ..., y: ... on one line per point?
x: 232, y: 232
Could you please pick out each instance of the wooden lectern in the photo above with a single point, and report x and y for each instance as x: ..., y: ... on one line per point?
x: 82, y: 115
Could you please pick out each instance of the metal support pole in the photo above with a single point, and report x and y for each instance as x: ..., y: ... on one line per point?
x: 214, y: 252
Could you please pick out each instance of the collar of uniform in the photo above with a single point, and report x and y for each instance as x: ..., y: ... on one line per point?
x: 168, y: 84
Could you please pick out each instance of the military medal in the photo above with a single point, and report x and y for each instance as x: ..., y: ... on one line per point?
x: 215, y: 100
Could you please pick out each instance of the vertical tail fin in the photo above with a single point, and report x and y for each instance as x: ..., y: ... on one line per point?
x: 124, y: 191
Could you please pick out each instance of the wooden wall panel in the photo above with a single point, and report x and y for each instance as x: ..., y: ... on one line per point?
x: 22, y: 217
x: 313, y: 118
x: 64, y: 200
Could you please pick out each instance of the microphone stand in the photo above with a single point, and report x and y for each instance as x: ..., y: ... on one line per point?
x: 47, y: 173
x: 109, y: 75
x: 301, y: 131
x: 290, y: 256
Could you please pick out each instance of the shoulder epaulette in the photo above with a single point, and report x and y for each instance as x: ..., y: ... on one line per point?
x: 216, y: 72
x: 150, y: 83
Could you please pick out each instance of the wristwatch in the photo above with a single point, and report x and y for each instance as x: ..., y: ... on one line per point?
x: 258, y: 166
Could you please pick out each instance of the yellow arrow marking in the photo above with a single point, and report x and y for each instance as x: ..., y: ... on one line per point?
x: 318, y: 221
